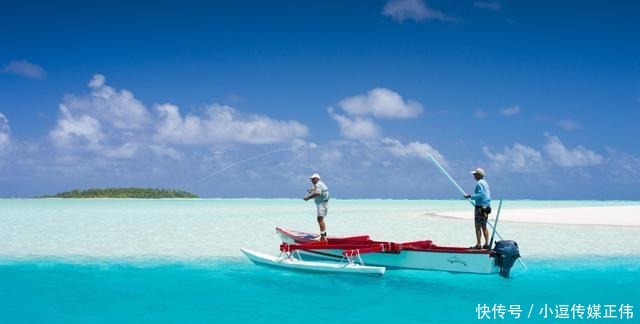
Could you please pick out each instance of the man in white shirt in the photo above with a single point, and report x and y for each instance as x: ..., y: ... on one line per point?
x: 320, y: 194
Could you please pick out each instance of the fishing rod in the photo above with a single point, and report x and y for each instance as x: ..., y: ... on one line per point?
x: 495, y: 223
x: 259, y: 156
x: 469, y: 200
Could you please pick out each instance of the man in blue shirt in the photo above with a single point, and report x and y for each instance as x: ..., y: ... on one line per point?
x: 482, y: 200
x: 320, y: 194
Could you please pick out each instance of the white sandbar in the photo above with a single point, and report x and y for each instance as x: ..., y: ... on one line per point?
x: 611, y: 216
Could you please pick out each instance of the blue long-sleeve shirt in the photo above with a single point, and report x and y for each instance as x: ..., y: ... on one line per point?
x: 482, y: 194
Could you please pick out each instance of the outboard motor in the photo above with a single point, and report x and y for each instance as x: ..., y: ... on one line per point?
x: 506, y: 254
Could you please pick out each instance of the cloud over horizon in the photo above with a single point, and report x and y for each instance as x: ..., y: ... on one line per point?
x: 413, y: 149
x: 569, y: 124
x: 488, y: 5
x: 517, y: 158
x: 25, y: 69
x: 106, y: 122
x: 576, y: 157
x: 355, y: 128
x: 359, y: 110
x: 113, y: 123
x: 223, y: 124
x: 5, y: 134
x: 401, y: 10
x: 524, y: 159
x: 381, y: 103
x: 510, y: 111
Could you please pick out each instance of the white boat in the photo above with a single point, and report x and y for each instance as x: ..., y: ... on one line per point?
x: 419, y: 255
x: 288, y: 261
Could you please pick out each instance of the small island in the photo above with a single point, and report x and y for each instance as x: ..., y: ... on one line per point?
x: 149, y: 193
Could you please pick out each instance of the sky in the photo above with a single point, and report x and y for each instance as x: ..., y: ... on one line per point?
x: 248, y: 98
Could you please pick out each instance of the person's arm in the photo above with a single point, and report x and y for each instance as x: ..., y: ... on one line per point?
x: 312, y: 194
x: 466, y: 195
x: 479, y: 193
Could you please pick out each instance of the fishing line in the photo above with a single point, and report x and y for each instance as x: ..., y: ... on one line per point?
x: 259, y: 156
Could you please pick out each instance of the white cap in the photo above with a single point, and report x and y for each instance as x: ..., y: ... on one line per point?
x: 479, y: 171
x: 315, y: 175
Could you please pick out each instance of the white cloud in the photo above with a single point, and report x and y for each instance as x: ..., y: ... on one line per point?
x: 381, y: 103
x: 173, y: 128
x: 562, y: 156
x: 357, y: 128
x: 223, y: 124
x: 481, y: 113
x: 569, y: 124
x: 86, y: 134
x: 312, y: 153
x: 623, y: 167
x: 412, y: 149
x: 5, y: 134
x: 124, y: 151
x: 81, y: 131
x: 488, y: 5
x: 163, y: 150
x: 119, y: 109
x: 113, y: 124
x: 518, y: 158
x: 106, y: 122
x: 401, y: 10
x: 26, y: 69
x: 330, y: 156
x: 355, y: 124
x: 510, y: 111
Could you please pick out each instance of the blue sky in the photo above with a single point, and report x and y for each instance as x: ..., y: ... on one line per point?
x: 544, y: 95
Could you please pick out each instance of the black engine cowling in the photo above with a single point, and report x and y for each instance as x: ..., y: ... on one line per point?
x: 505, y: 255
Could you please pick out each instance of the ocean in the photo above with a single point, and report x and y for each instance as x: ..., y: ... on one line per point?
x: 178, y: 261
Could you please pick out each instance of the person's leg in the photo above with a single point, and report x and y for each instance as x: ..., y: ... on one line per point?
x: 323, y: 233
x: 321, y: 223
x: 322, y: 213
x: 478, y: 222
x: 485, y: 231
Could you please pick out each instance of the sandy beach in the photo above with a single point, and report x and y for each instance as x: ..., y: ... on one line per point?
x: 609, y: 216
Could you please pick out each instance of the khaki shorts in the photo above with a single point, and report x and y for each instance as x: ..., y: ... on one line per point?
x: 322, y: 210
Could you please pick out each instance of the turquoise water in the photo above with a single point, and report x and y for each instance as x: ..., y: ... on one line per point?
x: 232, y: 290
x: 177, y: 261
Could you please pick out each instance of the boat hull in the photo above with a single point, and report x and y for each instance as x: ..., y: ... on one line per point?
x: 449, y: 259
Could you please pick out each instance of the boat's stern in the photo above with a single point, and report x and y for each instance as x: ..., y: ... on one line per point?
x: 505, y: 255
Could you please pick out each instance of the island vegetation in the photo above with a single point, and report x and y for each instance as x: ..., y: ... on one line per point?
x: 151, y: 193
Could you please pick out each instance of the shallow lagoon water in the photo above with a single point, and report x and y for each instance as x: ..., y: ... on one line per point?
x: 232, y: 290
x: 106, y: 261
